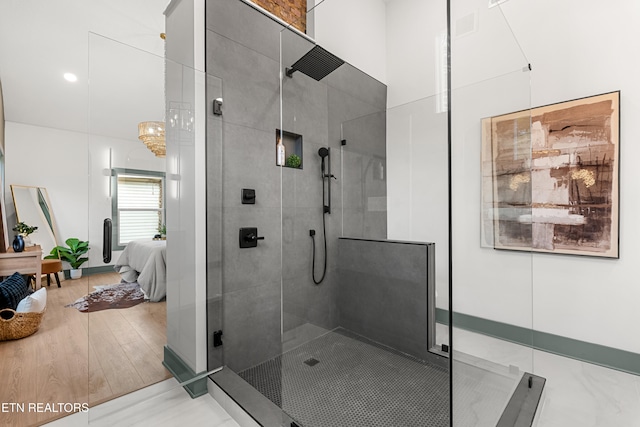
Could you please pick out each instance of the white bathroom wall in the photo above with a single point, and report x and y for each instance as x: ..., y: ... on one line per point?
x: 57, y: 160
x: 75, y: 178
x: 416, y: 50
x: 417, y: 129
x: 355, y: 31
x: 487, y: 79
x: 576, y: 49
x: 487, y: 283
x: 584, y: 298
x: 590, y: 299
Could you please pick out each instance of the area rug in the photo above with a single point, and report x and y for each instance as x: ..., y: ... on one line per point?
x: 121, y: 295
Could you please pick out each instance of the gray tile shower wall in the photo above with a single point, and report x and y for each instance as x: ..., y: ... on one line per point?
x: 359, y: 85
x: 244, y: 25
x: 242, y: 51
x: 261, y: 289
x: 382, y: 292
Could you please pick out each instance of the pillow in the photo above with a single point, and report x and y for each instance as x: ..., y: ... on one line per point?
x: 34, y: 303
x: 12, y: 290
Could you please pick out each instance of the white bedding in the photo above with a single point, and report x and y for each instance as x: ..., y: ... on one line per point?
x: 145, y: 261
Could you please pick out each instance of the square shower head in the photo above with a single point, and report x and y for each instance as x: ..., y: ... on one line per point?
x: 317, y: 63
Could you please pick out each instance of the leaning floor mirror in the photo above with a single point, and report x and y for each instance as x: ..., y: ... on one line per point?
x: 33, y: 208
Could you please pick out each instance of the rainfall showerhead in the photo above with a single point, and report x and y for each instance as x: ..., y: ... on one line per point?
x: 318, y: 63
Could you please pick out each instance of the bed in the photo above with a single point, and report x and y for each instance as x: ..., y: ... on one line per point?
x: 144, y: 261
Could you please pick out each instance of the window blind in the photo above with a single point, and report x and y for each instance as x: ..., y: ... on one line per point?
x: 140, y: 207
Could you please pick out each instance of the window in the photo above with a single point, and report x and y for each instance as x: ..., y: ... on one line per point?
x: 138, y: 205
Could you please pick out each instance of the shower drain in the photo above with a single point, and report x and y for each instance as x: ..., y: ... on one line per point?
x: 312, y: 362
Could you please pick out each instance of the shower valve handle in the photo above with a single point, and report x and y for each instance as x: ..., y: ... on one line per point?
x: 252, y: 237
x: 248, y: 237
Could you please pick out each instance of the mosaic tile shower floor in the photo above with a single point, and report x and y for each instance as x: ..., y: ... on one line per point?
x: 353, y: 383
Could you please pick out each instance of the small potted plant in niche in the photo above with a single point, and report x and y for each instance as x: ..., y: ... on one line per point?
x: 293, y: 161
x: 72, y: 253
x: 163, y: 231
x: 24, y: 231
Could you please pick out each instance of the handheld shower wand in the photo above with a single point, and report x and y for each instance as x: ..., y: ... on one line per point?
x: 323, y: 152
x: 325, y: 171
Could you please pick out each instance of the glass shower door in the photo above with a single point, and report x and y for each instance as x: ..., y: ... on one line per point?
x: 126, y: 207
x: 147, y: 264
x: 491, y: 214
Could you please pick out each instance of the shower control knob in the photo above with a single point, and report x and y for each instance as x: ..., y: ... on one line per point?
x: 249, y: 237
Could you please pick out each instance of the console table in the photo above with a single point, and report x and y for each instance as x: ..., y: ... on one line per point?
x: 27, y: 262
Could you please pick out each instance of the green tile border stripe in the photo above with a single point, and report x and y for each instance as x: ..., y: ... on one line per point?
x: 597, y: 354
x: 182, y: 372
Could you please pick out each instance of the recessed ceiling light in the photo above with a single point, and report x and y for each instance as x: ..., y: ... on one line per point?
x: 70, y: 77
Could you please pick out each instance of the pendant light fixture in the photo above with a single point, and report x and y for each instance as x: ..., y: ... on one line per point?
x: 152, y: 134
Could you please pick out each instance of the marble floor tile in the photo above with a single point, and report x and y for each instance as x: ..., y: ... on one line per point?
x: 577, y: 394
x: 586, y: 395
x: 164, y: 405
x: 488, y: 348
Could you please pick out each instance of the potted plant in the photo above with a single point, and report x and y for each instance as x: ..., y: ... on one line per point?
x: 162, y: 233
x: 293, y: 161
x: 24, y: 230
x: 71, y: 254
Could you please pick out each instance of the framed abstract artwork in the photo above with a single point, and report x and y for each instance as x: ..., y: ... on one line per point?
x: 550, y: 178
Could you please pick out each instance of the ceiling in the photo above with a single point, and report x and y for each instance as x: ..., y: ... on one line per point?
x: 113, y: 46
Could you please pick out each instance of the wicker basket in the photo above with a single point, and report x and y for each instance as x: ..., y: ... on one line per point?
x: 20, y: 325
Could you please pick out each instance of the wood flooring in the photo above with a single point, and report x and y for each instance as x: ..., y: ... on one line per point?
x: 81, y: 357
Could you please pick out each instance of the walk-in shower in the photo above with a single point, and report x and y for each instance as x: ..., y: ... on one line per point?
x: 360, y: 349
x: 345, y: 345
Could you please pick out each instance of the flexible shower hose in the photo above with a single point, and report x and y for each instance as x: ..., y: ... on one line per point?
x: 313, y: 238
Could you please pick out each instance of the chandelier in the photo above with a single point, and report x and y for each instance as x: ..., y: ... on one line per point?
x: 152, y: 134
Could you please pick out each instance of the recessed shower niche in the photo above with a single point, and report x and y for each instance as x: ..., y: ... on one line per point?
x: 292, y: 148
